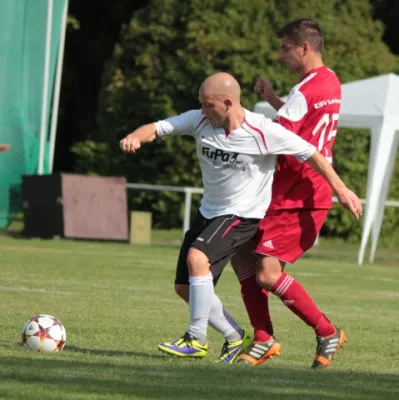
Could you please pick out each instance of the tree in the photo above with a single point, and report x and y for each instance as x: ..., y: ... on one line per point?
x: 388, y: 12
x: 164, y: 55
x: 169, y: 47
x: 93, y: 29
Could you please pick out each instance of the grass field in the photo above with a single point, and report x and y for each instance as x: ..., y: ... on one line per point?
x: 117, y: 302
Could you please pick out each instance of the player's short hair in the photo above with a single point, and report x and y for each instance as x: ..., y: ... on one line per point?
x: 301, y: 30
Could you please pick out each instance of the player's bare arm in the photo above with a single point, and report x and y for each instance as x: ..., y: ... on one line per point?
x: 264, y: 87
x: 346, y: 197
x: 132, y: 142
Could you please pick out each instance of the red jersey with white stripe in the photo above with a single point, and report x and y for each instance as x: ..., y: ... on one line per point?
x: 237, y: 167
x: 311, y: 111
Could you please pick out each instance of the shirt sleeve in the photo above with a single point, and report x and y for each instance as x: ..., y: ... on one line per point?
x: 292, y: 114
x: 280, y: 140
x: 183, y: 124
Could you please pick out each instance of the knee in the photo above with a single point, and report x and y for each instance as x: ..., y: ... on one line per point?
x: 197, y: 261
x: 194, y: 257
x: 269, y: 272
x: 182, y: 291
x: 265, y: 280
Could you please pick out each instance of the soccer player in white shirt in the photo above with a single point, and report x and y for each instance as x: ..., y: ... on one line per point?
x: 237, y: 152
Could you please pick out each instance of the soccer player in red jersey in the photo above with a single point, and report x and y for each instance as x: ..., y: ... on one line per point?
x: 300, y: 201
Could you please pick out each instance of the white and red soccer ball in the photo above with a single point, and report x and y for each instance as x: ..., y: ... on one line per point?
x: 44, y: 333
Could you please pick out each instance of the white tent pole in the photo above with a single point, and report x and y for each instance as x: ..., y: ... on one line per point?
x: 363, y: 244
x: 57, y: 89
x: 43, y: 121
x: 376, y: 185
x: 375, y: 133
x: 375, y: 233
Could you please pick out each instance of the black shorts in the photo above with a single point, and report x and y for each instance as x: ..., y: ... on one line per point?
x: 219, y: 238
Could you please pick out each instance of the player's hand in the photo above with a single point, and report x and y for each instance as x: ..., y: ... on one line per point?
x: 4, y: 147
x: 349, y: 200
x: 264, y: 87
x: 130, y: 144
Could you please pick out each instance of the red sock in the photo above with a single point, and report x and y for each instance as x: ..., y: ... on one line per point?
x: 257, y: 304
x: 297, y: 299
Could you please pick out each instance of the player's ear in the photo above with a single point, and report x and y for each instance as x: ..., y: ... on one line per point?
x: 228, y: 103
x: 306, y: 47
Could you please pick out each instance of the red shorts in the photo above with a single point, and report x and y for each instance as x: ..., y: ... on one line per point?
x: 287, y: 234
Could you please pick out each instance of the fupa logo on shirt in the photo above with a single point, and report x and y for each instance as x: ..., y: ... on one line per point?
x: 219, y: 155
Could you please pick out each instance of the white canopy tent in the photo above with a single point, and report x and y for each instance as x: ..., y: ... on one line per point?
x: 373, y: 104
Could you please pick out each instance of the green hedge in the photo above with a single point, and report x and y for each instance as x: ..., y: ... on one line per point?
x: 170, y: 46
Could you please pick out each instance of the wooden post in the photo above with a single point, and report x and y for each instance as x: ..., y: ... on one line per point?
x: 140, y: 227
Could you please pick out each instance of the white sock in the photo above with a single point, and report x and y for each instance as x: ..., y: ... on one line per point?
x: 223, y: 322
x: 201, y: 294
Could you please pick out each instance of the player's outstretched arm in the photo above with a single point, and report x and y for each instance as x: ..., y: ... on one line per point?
x: 346, y: 197
x: 132, y: 142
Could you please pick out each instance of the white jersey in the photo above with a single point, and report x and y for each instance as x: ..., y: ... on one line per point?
x: 237, y: 167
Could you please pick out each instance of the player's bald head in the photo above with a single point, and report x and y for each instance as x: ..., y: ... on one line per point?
x: 221, y: 86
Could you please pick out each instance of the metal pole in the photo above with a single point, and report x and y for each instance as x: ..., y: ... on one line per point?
x: 57, y: 89
x: 46, y: 69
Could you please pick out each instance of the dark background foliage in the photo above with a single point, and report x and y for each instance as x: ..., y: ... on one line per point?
x: 136, y: 62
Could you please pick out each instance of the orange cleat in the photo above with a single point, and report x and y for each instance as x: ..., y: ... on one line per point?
x: 259, y: 352
x: 327, y: 348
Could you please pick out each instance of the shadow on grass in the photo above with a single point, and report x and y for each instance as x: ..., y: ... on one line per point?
x: 184, y: 379
x: 96, y: 352
x: 11, y: 345
x: 111, y: 353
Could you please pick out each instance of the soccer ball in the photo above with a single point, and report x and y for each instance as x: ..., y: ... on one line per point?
x: 44, y: 333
